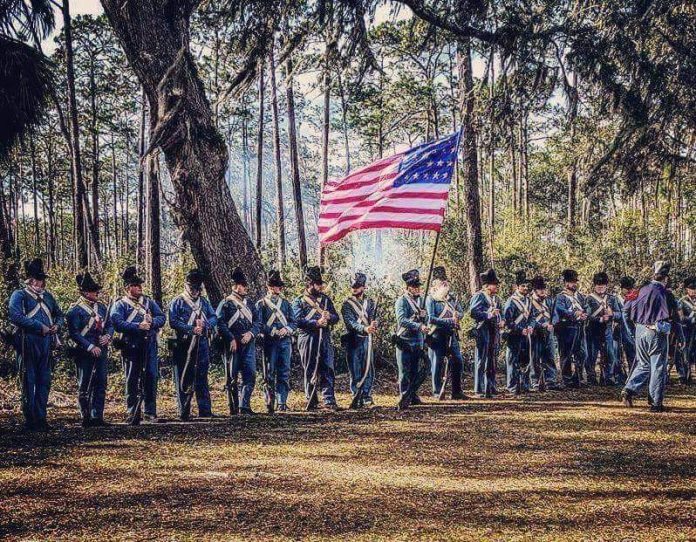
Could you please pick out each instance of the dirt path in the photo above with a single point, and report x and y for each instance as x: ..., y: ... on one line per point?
x: 573, y: 466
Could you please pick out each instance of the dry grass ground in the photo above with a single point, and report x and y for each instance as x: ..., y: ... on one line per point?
x: 558, y: 466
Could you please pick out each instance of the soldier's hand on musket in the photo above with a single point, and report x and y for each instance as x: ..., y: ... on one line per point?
x: 322, y: 322
x: 104, y: 340
x: 493, y: 313
x: 549, y: 327
x: 372, y: 328
x: 246, y: 338
x: 424, y: 328
x: 53, y: 329
x: 605, y: 318
x: 144, y: 325
x: 96, y: 352
x: 233, y: 346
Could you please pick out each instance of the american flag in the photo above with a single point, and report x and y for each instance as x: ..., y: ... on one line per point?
x: 408, y: 190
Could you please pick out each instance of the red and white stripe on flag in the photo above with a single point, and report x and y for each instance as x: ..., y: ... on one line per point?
x: 390, y: 194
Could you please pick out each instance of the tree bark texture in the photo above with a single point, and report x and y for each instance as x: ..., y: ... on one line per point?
x: 155, y: 37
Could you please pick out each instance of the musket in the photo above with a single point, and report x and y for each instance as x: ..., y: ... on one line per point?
x: 231, y: 386
x: 358, y: 398
x: 268, y: 391
x: 445, y: 376
x: 143, y: 366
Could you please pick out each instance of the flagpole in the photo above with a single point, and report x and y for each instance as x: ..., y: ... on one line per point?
x: 432, y: 264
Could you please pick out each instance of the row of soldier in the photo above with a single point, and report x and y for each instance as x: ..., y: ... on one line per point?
x: 584, y: 328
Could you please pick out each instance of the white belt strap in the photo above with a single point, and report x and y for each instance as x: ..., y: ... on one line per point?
x: 522, y: 307
x: 360, y: 310
x: 543, y: 310
x: 242, y: 309
x: 276, y: 313
x: 93, y: 313
x: 602, y: 304
x: 40, y: 306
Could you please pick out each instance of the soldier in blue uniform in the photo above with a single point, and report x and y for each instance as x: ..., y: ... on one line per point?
x: 603, y: 314
x: 137, y: 319
x: 358, y: 312
x: 193, y: 320
x: 568, y: 319
x: 90, y: 331
x: 37, y: 320
x: 444, y: 314
x: 408, y: 339
x: 519, y: 326
x: 655, y: 313
x: 485, y: 310
x: 626, y: 332
x: 315, y: 315
x: 543, y: 350
x: 686, y: 356
x: 239, y: 324
x: 279, y: 326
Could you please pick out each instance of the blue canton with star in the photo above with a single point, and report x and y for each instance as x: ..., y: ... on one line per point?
x: 431, y: 162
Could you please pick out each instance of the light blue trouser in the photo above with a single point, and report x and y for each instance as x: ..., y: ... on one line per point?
x: 37, y: 380
x: 600, y: 340
x: 200, y: 387
x: 544, y: 359
x: 278, y: 354
x: 484, y: 357
x: 516, y: 363
x: 327, y: 375
x: 356, y: 355
x: 134, y: 361
x: 245, y: 364
x: 409, y: 377
x: 91, y: 394
x: 441, y: 349
x: 686, y: 356
x: 651, y: 363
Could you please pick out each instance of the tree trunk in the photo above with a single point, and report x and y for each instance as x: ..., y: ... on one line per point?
x: 35, y: 190
x: 82, y: 211
x: 114, y: 180
x: 524, y: 154
x: 155, y: 37
x: 95, y: 156
x: 278, y: 165
x: 154, y: 261
x: 140, y: 244
x: 470, y: 178
x: 572, y: 171
x: 51, y: 246
x: 295, y: 166
x: 491, y: 156
x: 259, y: 162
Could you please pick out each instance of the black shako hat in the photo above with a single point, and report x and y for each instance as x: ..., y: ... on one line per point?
x: 690, y: 283
x: 439, y: 273
x: 521, y: 278
x: 411, y: 278
x: 86, y: 283
x: 312, y: 275
x: 130, y: 276
x: 489, y: 277
x: 34, y: 269
x: 569, y: 275
x: 274, y: 278
x: 600, y: 279
x: 538, y: 283
x: 359, y: 280
x: 195, y: 278
x: 627, y: 283
x: 238, y: 277
x: 662, y: 268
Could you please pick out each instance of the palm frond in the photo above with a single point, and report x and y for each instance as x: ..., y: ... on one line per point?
x: 26, y: 79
